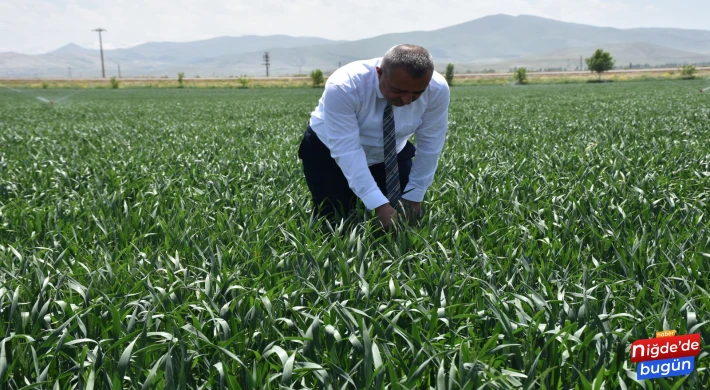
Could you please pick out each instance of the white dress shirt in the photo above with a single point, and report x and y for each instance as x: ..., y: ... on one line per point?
x: 348, y: 120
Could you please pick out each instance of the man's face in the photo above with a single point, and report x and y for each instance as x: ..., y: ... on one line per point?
x: 399, y: 88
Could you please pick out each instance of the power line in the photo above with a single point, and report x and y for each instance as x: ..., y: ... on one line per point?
x: 266, y: 62
x: 101, y: 46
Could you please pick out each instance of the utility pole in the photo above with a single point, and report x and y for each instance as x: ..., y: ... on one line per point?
x: 266, y: 62
x: 581, y: 67
x: 69, y: 68
x: 119, y: 71
x: 101, y: 46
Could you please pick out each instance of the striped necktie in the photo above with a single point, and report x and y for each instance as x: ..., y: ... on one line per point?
x: 392, y: 185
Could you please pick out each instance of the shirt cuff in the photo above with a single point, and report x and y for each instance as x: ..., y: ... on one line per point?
x: 415, y: 195
x: 374, y: 199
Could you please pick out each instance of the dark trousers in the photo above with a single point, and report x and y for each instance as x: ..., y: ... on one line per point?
x: 329, y: 188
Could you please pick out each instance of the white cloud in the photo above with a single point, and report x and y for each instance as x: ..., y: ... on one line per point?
x: 30, y: 26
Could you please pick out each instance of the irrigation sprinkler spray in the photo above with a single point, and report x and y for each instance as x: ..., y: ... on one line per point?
x: 706, y: 88
x: 688, y: 87
x: 64, y: 97
x: 43, y: 99
x: 12, y: 89
x: 21, y: 92
x: 50, y: 102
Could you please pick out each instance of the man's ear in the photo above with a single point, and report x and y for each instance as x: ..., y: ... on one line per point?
x: 379, y: 72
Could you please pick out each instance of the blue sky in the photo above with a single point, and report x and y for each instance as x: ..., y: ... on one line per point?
x: 38, y: 26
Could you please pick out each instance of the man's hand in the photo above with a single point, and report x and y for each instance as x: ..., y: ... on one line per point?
x: 387, y: 215
x: 412, y: 209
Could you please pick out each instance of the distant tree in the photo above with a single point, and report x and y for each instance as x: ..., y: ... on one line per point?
x: 450, y: 74
x: 181, y: 77
x: 243, y: 80
x: 688, y: 71
x: 317, y: 78
x: 600, y: 62
x: 521, y: 76
x: 114, y: 82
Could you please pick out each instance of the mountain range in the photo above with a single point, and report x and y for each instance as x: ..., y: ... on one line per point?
x: 497, y: 42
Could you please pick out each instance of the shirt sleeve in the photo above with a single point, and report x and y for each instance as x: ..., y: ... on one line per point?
x: 430, y: 137
x: 342, y: 137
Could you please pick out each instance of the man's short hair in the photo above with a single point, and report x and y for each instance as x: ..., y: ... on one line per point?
x: 416, y: 60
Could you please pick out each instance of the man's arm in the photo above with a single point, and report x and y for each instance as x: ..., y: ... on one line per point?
x: 342, y: 137
x: 430, y: 137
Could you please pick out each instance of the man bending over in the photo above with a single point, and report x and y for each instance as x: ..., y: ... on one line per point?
x: 357, y: 142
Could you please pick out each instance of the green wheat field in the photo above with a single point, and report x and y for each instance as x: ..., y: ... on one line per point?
x: 163, y: 239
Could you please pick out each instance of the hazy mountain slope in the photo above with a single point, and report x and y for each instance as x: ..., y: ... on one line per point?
x: 499, y: 40
x: 639, y: 53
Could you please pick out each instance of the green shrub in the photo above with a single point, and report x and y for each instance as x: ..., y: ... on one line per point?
x: 688, y: 71
x: 317, y: 78
x: 521, y: 75
x: 600, y: 62
x: 243, y: 80
x: 114, y: 83
x: 449, y: 74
